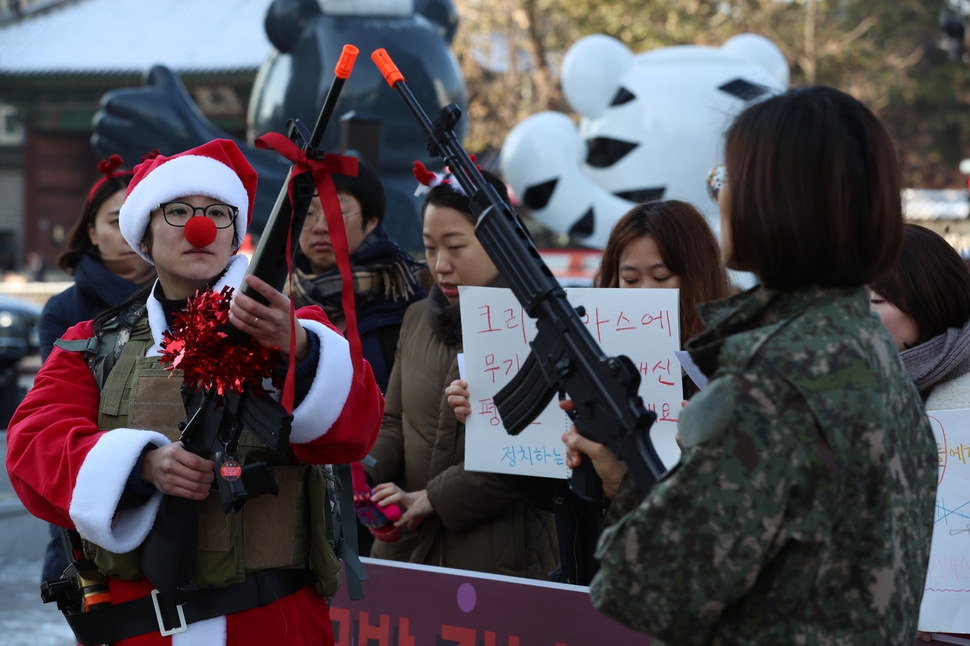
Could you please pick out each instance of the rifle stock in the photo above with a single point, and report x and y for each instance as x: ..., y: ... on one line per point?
x: 564, y: 356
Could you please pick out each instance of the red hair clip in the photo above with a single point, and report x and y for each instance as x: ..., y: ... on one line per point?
x: 109, y: 168
x: 428, y: 179
x: 425, y: 177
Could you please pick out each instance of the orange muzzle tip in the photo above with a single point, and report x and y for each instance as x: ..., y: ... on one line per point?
x: 346, y: 63
x: 387, y: 67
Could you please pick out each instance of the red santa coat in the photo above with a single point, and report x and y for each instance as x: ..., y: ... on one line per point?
x: 70, y: 473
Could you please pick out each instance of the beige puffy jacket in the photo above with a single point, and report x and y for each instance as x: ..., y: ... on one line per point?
x: 479, y: 523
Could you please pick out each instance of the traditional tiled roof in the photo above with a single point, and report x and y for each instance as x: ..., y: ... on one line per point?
x: 128, y: 36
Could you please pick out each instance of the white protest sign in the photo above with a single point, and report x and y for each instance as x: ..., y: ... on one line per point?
x: 946, y: 598
x: 642, y: 324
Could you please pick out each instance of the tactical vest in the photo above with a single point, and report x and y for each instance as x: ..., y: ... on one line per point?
x: 285, y: 531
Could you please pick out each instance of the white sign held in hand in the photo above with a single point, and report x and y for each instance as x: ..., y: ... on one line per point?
x: 642, y: 324
x: 946, y: 598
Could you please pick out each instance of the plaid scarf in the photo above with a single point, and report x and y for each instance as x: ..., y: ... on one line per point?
x: 382, y: 272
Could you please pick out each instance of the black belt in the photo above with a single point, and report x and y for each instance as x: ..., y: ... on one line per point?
x: 149, y: 614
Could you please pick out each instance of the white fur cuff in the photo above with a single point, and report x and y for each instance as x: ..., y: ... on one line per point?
x: 100, y: 482
x: 331, y: 386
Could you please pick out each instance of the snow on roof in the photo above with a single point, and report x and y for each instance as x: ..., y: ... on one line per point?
x: 129, y: 36
x: 936, y: 204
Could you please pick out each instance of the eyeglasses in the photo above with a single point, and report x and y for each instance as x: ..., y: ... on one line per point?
x: 177, y: 214
x: 313, y: 217
x: 716, y: 179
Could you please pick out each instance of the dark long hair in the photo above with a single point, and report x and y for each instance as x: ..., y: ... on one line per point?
x: 688, y: 249
x: 930, y: 282
x: 78, y: 239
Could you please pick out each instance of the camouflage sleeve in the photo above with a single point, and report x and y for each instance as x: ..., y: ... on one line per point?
x: 697, y: 542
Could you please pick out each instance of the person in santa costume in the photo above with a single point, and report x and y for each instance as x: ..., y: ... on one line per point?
x: 97, y: 450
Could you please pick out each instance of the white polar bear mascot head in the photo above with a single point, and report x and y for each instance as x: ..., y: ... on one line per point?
x: 652, y: 127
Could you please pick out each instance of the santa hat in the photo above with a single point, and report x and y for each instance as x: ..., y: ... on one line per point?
x: 217, y: 169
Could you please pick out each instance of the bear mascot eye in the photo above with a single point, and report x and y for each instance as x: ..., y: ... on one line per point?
x: 603, y: 152
x: 744, y: 90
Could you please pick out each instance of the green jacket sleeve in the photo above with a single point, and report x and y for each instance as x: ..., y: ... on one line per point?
x: 697, y: 543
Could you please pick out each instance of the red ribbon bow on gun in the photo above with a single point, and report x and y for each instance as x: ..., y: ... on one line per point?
x: 321, y: 169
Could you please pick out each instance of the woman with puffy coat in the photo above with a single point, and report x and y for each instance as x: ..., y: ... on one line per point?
x: 106, y: 272
x: 453, y: 517
x: 106, y: 269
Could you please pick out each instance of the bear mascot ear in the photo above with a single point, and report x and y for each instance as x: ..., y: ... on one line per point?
x: 591, y: 74
x: 442, y: 13
x: 756, y: 49
x: 286, y: 19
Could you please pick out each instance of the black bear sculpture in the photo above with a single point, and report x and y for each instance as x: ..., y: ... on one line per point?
x: 308, y: 36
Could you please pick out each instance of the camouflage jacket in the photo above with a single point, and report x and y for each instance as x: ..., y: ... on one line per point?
x: 802, y: 507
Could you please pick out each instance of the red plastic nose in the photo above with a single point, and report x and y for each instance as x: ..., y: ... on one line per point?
x: 200, y: 232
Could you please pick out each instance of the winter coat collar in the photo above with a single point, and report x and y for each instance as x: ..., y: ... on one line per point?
x: 758, y: 314
x: 445, y: 318
x: 99, y: 285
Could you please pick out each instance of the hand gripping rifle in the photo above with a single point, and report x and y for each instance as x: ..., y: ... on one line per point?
x: 215, y: 422
x: 564, y: 357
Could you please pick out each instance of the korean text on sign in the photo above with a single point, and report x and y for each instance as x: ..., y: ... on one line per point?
x: 642, y: 324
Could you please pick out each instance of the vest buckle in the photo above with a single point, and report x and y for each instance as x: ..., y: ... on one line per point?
x: 181, y: 628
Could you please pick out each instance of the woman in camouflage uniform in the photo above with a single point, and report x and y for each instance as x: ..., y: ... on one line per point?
x: 802, y: 506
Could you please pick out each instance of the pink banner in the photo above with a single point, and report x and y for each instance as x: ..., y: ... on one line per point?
x: 415, y: 605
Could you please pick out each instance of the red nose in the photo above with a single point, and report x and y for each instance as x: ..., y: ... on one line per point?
x: 200, y: 232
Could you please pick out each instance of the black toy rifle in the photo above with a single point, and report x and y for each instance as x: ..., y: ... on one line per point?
x: 215, y: 422
x: 564, y: 357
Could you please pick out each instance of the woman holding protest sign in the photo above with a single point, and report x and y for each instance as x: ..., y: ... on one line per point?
x: 95, y: 447
x: 453, y: 517
x: 667, y: 244
x: 809, y: 424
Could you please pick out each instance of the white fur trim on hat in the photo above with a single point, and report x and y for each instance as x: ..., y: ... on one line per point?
x: 180, y: 177
x: 100, y: 482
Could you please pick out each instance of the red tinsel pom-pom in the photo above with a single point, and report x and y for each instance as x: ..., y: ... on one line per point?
x: 198, y: 346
